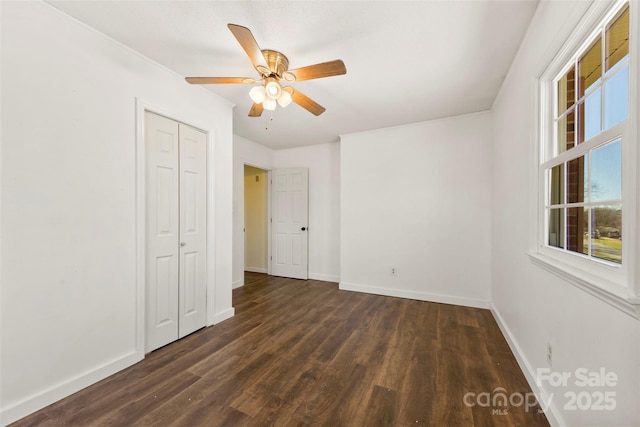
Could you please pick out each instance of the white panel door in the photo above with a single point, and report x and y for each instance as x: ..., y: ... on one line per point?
x: 193, y: 243
x: 176, y: 197
x: 162, y: 232
x: 289, y: 222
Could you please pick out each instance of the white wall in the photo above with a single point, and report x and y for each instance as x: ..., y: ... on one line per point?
x: 256, y: 213
x: 533, y: 306
x: 323, y: 161
x: 69, y: 271
x: 418, y: 198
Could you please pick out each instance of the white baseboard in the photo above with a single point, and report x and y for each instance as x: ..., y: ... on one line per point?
x: 44, y: 398
x: 420, y: 296
x: 222, y: 316
x: 529, y: 373
x: 237, y: 284
x: 324, y: 277
x: 256, y: 269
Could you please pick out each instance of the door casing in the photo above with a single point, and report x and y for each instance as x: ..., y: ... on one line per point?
x: 176, y: 230
x: 140, y: 223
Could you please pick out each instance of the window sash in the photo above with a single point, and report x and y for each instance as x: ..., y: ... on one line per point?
x: 617, y: 131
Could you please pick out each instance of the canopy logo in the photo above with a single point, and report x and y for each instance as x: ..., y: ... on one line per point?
x: 500, y: 401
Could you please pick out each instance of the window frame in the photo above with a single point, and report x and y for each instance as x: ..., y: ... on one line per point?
x: 616, y: 284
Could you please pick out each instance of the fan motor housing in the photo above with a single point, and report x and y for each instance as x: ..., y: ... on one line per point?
x: 277, y: 62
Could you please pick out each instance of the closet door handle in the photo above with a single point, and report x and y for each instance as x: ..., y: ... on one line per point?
x: 183, y: 243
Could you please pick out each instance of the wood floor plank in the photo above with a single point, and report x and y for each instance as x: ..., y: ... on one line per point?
x: 418, y: 392
x: 304, y: 353
x: 381, y: 409
x: 206, y: 397
x: 395, y: 367
x: 138, y: 407
x: 451, y: 382
x: 289, y: 395
x: 417, y: 352
x: 336, y: 400
x: 232, y: 417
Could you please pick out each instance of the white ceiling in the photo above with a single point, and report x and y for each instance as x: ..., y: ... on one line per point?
x: 407, y: 61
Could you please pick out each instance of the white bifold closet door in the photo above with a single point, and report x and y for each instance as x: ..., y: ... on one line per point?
x: 175, y: 267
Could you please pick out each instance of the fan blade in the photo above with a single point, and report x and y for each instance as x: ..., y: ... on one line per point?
x: 305, y: 102
x: 249, y: 44
x: 256, y: 110
x: 317, y: 71
x: 220, y: 80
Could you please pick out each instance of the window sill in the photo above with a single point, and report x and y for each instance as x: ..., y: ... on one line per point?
x: 608, y: 292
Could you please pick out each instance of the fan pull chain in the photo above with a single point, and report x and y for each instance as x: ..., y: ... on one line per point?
x: 267, y: 120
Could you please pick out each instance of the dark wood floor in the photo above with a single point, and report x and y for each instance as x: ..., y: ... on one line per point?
x: 303, y: 353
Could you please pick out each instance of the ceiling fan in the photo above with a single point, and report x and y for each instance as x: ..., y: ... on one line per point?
x: 273, y: 68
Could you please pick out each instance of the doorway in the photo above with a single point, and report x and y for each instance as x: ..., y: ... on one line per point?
x: 256, y: 215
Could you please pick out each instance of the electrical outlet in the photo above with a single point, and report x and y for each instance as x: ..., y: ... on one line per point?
x: 549, y: 354
x: 394, y: 271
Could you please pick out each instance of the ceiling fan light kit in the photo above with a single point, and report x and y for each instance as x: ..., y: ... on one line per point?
x: 273, y: 67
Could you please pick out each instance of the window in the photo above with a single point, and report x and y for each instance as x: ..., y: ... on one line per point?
x: 586, y: 188
x: 582, y: 171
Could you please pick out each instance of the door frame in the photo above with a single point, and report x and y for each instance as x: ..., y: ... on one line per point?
x: 140, y: 225
x: 268, y: 219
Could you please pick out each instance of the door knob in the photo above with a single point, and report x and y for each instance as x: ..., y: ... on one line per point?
x: 183, y: 243
x: 303, y: 228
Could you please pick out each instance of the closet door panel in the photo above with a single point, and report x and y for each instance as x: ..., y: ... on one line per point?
x: 162, y: 232
x: 193, y: 227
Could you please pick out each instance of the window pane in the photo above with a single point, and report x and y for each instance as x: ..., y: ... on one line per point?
x: 577, y: 230
x: 589, y: 114
x: 556, y: 228
x: 566, y: 132
x: 616, y: 98
x: 606, y: 172
x: 606, y: 234
x: 576, y: 180
x: 589, y: 67
x: 556, y: 185
x: 566, y: 91
x: 617, y: 39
